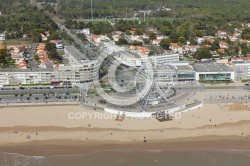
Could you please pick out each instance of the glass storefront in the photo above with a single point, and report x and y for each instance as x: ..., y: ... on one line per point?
x: 215, y: 77
x: 186, y: 76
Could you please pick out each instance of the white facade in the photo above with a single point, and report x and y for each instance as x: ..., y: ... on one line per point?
x: 242, y: 71
x: 164, y: 58
x: 78, y: 73
x: 2, y: 36
x: 86, y: 31
x: 73, y: 55
x: 24, y: 77
x: 198, y: 75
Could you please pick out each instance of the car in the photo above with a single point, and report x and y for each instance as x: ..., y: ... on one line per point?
x: 22, y: 88
x: 37, y: 98
x: 59, y: 97
x: 21, y: 94
x: 65, y: 97
x: 45, y: 98
x: 19, y: 99
x: 28, y: 98
x: 30, y: 94
x: 16, y: 94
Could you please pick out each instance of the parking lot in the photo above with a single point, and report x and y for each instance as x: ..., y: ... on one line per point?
x: 38, y: 94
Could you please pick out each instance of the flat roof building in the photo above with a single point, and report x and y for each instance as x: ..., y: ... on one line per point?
x: 213, y: 72
x: 74, y: 55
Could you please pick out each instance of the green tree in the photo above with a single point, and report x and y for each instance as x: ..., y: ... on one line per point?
x: 152, y: 36
x: 139, y: 31
x: 215, y: 45
x: 164, y: 43
x: 51, y: 50
x: 246, y: 34
x: 174, y: 37
x: 202, y: 54
x: 128, y: 32
x: 199, y: 33
x: 121, y: 41
x: 36, y: 37
x: 54, y: 36
x: 3, y: 53
x: 182, y: 40
x: 165, y: 30
x: 146, y: 41
x: 193, y: 41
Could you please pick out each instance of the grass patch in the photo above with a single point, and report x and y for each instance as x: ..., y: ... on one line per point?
x: 217, y: 82
x: 17, y: 41
x: 245, y: 80
x: 157, y: 18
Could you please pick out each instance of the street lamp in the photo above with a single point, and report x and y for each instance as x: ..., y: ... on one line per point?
x: 92, y: 9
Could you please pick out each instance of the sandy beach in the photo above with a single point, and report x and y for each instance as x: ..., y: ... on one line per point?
x: 31, y: 130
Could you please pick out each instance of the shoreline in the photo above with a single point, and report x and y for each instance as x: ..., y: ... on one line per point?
x: 76, y: 147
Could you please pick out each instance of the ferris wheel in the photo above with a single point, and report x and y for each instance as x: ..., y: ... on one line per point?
x: 161, y: 76
x: 150, y: 83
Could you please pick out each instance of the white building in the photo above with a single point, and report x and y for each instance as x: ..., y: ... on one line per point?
x: 74, y: 55
x: 192, y: 48
x: 213, y: 72
x: 2, y: 36
x: 164, y: 58
x: 86, y: 31
x: 241, y: 67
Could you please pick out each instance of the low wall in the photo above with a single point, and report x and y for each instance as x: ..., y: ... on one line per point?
x: 129, y: 114
x: 143, y: 114
x: 172, y: 110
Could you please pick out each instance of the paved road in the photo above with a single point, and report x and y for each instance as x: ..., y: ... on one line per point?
x: 38, y: 98
x: 85, y: 47
x: 32, y: 60
x: 39, y: 91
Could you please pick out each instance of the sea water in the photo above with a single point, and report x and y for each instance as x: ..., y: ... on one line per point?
x: 134, y: 158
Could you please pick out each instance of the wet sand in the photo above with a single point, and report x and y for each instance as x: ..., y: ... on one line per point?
x: 73, y: 147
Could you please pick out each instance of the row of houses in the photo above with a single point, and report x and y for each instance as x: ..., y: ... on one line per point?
x: 16, y: 52
x: 42, y: 53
